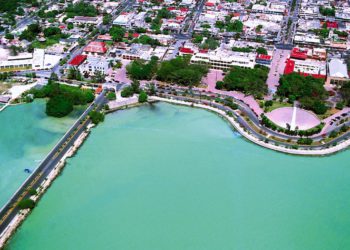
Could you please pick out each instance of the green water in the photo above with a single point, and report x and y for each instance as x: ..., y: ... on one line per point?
x: 27, y: 134
x: 171, y: 177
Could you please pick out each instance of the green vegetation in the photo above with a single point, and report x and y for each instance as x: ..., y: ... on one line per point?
x: 143, y: 97
x: 305, y: 141
x: 111, y: 96
x: 181, y: 72
x: 134, y: 88
x: 270, y: 124
x: 210, y: 43
x: 26, y: 203
x: 140, y: 70
x: 307, y: 90
x: 31, y: 32
x: 107, y: 19
x: 324, y: 32
x: 197, y: 38
x: 62, y: 98
x: 236, y: 26
x: 327, y: 11
x: 239, y: 49
x: 96, y: 117
x: 58, y: 106
x: 144, y: 39
x: 341, y: 33
x: 261, y: 50
x: 249, y: 81
x: 74, y: 73
x: 117, y: 33
x: 345, y: 93
x: 81, y: 9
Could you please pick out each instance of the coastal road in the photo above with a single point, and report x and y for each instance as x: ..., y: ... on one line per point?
x: 253, y: 118
x: 10, y: 209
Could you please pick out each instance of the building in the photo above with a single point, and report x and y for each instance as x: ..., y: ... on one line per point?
x: 222, y: 59
x: 38, y: 60
x: 93, y: 64
x: 77, y: 60
x: 337, y: 72
x: 316, y: 69
x: 95, y: 48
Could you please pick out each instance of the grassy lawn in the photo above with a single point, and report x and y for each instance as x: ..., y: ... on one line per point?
x: 276, y: 105
x: 43, y: 45
x: 14, y: 69
x: 328, y: 113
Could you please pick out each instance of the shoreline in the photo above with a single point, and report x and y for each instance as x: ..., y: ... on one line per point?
x: 22, y: 215
x: 318, y: 152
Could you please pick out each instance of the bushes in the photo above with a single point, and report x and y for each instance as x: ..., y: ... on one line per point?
x: 111, y: 96
x: 96, y: 117
x: 26, y: 203
x: 127, y: 92
x: 143, y: 97
x: 305, y: 141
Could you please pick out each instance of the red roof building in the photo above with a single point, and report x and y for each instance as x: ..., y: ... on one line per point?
x: 290, y: 64
x: 209, y: 4
x: 298, y: 54
x: 186, y: 51
x: 332, y: 25
x: 183, y: 9
x: 77, y: 60
x: 171, y: 8
x: 96, y: 48
x: 263, y: 57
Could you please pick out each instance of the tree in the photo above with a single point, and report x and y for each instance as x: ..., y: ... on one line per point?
x: 143, y: 97
x: 70, y: 26
x: 81, y: 9
x: 26, y: 204
x: 236, y: 26
x: 59, y: 106
x: 9, y: 36
x: 96, y: 117
x: 139, y: 70
x: 98, y: 77
x: 127, y: 92
x: 111, y: 96
x: 107, y: 19
x: 261, y: 50
x: 247, y: 80
x: 345, y: 93
x: 210, y: 43
x: 307, y: 90
x: 180, y: 71
x: 117, y: 33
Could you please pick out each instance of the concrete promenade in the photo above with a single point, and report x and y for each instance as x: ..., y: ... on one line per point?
x: 315, y: 152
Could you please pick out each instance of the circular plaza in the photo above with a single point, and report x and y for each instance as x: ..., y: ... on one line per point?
x: 294, y: 118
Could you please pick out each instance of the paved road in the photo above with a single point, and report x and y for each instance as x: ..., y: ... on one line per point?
x: 10, y: 210
x: 253, y: 117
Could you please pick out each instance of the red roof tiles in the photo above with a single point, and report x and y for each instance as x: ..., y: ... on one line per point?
x: 77, y: 60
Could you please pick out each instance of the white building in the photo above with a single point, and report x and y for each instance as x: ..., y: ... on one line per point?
x: 222, y: 59
x: 37, y: 61
x: 337, y: 72
x: 93, y: 64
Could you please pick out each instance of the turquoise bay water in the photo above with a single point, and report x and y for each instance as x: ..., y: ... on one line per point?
x: 27, y: 134
x: 171, y: 177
